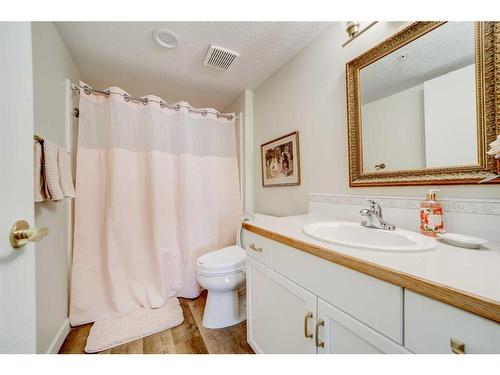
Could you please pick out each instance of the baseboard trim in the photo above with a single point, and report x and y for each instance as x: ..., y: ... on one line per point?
x: 59, y: 338
x: 254, y: 346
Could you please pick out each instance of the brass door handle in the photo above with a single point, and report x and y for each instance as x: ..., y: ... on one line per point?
x: 255, y: 248
x: 457, y: 347
x: 21, y: 234
x: 319, y: 343
x: 308, y: 316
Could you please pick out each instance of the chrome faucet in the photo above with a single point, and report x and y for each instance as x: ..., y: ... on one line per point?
x: 372, y: 218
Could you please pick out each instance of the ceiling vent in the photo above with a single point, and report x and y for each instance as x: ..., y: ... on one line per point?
x: 220, y: 58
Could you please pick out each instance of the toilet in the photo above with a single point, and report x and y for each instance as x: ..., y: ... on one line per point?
x: 222, y: 273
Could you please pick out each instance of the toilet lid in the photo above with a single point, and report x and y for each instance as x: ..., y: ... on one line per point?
x: 228, y: 259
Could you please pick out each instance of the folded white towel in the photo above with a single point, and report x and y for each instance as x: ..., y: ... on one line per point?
x: 51, y: 171
x: 65, y: 177
x: 495, y: 148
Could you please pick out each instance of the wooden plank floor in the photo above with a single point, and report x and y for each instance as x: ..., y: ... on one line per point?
x: 188, y: 338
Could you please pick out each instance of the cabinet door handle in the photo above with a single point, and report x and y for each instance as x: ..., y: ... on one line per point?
x: 319, y: 343
x: 255, y: 248
x: 308, y: 316
x: 457, y: 347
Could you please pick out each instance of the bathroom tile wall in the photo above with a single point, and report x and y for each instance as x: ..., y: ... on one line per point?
x: 474, y: 217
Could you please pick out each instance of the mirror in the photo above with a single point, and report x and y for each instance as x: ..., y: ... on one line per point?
x: 419, y: 109
x: 414, y: 98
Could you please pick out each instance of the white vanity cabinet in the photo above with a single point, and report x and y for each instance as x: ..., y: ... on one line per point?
x: 285, y: 317
x: 300, y: 303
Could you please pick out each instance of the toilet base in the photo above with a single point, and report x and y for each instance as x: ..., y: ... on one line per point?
x: 222, y: 309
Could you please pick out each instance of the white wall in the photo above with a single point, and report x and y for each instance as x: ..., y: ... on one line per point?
x: 308, y: 94
x: 243, y: 107
x: 393, y: 131
x: 450, y: 118
x: 52, y: 64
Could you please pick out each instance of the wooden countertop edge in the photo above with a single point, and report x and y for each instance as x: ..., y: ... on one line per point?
x: 467, y: 301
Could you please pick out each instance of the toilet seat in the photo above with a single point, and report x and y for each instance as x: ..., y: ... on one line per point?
x: 225, y: 261
x: 222, y: 273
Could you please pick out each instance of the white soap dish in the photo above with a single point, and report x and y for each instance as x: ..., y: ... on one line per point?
x: 462, y: 240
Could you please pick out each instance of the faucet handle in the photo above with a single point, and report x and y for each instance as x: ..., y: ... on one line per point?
x: 375, y: 207
x: 364, y: 212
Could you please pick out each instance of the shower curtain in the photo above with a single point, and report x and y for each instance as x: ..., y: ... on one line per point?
x: 155, y: 189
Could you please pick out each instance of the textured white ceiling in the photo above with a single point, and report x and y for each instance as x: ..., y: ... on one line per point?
x: 447, y: 48
x: 124, y: 54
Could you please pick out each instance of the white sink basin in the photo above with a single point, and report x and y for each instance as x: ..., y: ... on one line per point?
x: 356, y: 236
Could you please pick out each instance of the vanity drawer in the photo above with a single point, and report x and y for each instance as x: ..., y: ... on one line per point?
x: 430, y: 326
x: 374, y: 302
x: 257, y: 247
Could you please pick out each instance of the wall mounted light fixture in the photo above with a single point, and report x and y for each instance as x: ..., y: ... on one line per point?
x: 352, y: 28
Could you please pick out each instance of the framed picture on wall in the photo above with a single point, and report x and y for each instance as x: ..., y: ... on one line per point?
x: 281, y: 161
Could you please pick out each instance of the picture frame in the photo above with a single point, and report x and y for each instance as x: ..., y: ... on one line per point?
x: 280, y: 161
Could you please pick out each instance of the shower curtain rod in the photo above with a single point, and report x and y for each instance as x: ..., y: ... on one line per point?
x: 89, y: 90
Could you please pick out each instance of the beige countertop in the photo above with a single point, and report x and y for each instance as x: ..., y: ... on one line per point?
x: 466, y: 278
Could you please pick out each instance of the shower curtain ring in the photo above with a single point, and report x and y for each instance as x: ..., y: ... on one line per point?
x: 145, y: 101
x: 204, y: 112
x: 162, y: 105
x: 87, y: 90
x: 126, y: 97
x: 177, y: 107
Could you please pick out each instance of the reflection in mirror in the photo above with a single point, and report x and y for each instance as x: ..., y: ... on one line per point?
x: 418, y: 103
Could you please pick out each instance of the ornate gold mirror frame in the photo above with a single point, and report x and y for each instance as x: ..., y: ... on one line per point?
x: 487, y: 51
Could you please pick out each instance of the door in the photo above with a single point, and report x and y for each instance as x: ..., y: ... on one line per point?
x: 17, y: 267
x: 280, y: 313
x: 339, y: 333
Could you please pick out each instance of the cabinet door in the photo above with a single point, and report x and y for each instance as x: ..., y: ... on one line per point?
x: 433, y: 327
x: 280, y: 313
x: 339, y: 333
